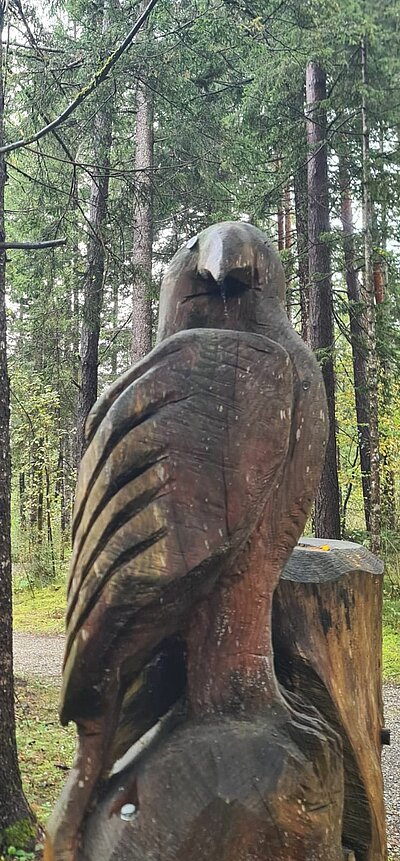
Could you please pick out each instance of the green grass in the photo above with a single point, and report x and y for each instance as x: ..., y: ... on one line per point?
x: 391, y: 626
x: 45, y: 748
x: 39, y: 610
x: 391, y: 654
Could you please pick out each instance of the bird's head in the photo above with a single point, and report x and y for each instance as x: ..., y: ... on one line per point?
x: 224, y: 278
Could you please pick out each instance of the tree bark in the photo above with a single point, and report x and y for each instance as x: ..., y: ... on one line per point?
x: 114, y: 351
x: 369, y: 290
x: 13, y: 804
x: 281, y: 228
x: 327, y: 636
x: 93, y: 287
x: 357, y: 337
x: 22, y: 500
x: 327, y: 515
x: 143, y: 225
x: 289, y: 259
x: 301, y: 213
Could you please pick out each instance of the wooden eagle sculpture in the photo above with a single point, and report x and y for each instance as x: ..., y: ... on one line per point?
x: 201, y: 467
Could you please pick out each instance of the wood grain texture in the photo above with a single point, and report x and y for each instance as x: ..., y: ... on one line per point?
x: 174, y: 478
x: 327, y: 642
x: 202, y: 464
x: 227, y: 790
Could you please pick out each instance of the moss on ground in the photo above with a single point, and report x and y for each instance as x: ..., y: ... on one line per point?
x: 18, y: 840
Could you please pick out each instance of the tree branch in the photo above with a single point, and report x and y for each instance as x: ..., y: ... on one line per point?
x: 30, y: 246
x: 97, y: 79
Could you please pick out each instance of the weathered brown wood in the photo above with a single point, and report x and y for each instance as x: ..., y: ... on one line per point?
x: 200, y: 472
x: 327, y: 643
x: 226, y: 789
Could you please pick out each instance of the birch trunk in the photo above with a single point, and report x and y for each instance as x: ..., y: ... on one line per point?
x: 327, y: 516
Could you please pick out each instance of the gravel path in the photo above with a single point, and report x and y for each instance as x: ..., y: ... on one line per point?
x: 42, y: 655
x: 391, y: 769
x: 38, y: 654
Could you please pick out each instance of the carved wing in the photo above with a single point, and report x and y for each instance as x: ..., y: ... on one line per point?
x: 184, y: 451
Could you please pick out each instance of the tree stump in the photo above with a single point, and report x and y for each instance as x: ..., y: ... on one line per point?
x: 327, y: 645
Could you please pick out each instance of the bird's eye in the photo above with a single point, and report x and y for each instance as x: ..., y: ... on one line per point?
x: 206, y: 276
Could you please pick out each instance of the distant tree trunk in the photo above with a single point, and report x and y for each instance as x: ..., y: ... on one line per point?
x: 327, y: 514
x: 288, y: 244
x: 301, y: 212
x: 281, y: 228
x: 369, y: 290
x: 93, y: 286
x: 13, y: 804
x: 288, y: 218
x: 388, y: 482
x: 389, y: 517
x: 114, y: 351
x: 39, y: 509
x: 143, y: 225
x: 49, y: 524
x: 22, y: 500
x: 75, y: 314
x: 358, y: 338
x: 59, y: 494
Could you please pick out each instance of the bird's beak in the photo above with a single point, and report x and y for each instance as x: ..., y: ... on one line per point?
x: 220, y: 259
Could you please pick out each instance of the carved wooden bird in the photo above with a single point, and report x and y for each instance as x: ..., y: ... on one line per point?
x: 185, y: 450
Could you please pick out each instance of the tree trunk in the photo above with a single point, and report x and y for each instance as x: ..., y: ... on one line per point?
x: 143, y: 225
x: 93, y: 286
x: 369, y: 290
x: 327, y: 515
x: 281, y: 228
x: 301, y: 212
x: 358, y: 338
x: 114, y: 350
x: 289, y: 259
x: 22, y: 501
x: 13, y: 804
x: 49, y: 523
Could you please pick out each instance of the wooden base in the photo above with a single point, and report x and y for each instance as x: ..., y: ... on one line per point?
x: 269, y: 789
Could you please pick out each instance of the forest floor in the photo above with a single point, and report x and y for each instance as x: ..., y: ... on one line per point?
x: 46, y: 749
